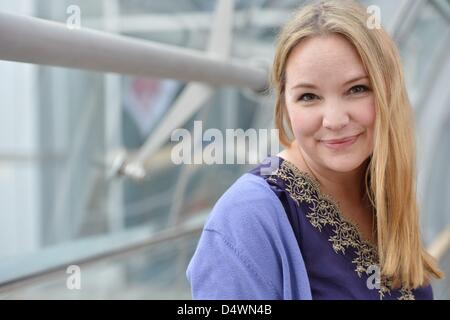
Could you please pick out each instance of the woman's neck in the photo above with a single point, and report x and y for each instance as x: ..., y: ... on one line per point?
x: 346, y: 187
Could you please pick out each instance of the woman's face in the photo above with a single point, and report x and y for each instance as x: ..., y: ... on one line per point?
x: 330, y: 103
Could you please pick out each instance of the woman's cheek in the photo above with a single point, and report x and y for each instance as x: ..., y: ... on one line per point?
x: 305, y: 123
x: 365, y: 114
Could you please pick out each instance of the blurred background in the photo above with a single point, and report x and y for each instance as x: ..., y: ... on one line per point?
x: 62, y: 204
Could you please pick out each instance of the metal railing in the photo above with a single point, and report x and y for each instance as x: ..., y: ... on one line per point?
x: 441, y: 245
x: 37, y: 41
x: 52, y: 262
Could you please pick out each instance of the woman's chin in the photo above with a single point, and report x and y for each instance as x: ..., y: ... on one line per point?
x: 344, y: 165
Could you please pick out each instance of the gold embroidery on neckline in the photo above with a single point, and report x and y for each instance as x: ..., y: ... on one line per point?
x: 324, y: 210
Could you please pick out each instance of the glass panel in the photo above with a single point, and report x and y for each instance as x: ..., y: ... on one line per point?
x: 73, y: 121
x: 421, y: 48
x: 441, y: 289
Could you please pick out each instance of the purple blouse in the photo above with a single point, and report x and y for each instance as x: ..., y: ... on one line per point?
x: 274, y: 235
x: 339, y: 262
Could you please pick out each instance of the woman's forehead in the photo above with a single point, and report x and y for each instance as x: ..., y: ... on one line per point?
x: 324, y: 56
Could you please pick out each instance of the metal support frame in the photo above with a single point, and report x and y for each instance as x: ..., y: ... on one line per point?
x: 53, y: 262
x: 37, y: 41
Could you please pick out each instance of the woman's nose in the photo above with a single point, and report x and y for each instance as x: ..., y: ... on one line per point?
x: 335, y: 117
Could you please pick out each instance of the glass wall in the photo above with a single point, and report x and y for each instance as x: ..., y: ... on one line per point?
x: 60, y: 128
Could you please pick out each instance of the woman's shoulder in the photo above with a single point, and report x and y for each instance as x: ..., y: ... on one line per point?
x: 256, y: 197
x: 248, y: 228
x: 249, y: 201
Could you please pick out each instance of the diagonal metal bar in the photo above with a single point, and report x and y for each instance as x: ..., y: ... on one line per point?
x: 37, y: 41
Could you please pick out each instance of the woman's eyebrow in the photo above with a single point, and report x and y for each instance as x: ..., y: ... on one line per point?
x: 312, y: 86
x: 304, y: 85
x: 361, y: 77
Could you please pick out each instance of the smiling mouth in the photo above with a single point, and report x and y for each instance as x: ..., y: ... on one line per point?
x: 341, y: 143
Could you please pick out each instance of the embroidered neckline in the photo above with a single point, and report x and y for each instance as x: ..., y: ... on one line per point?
x: 325, y: 211
x: 333, y: 203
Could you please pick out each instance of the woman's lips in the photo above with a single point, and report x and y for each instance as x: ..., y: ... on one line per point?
x: 340, y: 143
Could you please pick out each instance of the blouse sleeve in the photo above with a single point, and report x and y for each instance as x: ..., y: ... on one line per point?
x: 220, y: 271
x: 246, y: 246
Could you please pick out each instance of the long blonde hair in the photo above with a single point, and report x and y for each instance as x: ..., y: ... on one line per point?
x: 390, y: 174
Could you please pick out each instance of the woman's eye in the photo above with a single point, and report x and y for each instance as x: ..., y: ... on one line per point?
x: 307, y: 97
x: 358, y: 89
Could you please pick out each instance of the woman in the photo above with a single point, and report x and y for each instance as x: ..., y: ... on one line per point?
x: 337, y: 218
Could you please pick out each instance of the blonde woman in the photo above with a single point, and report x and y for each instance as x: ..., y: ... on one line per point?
x: 337, y: 217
